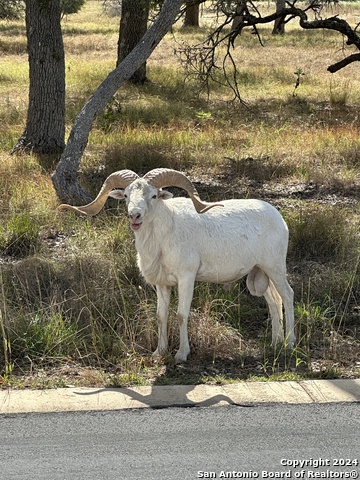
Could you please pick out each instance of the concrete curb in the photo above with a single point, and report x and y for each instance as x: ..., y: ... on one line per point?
x: 244, y: 393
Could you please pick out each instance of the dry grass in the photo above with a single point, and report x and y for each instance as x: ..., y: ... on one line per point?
x: 73, y: 304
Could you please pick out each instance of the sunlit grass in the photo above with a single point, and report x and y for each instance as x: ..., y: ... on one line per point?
x: 71, y: 290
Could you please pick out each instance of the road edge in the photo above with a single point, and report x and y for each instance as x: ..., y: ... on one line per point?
x: 156, y: 396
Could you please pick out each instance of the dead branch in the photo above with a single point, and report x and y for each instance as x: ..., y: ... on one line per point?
x: 201, y: 60
x: 344, y: 62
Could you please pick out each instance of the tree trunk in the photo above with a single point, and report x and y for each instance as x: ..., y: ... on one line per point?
x: 133, y: 25
x: 279, y: 24
x: 45, y: 123
x: 65, y: 176
x: 191, y: 14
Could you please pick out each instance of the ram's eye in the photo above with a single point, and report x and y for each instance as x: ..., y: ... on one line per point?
x: 125, y: 196
x: 154, y: 196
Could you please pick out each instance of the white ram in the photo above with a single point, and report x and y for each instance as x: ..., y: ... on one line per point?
x: 178, y: 244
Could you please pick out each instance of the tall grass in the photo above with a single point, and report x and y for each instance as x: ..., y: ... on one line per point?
x: 73, y: 306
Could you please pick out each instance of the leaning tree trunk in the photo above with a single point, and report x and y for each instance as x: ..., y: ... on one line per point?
x: 45, y: 124
x: 133, y: 25
x: 65, y: 176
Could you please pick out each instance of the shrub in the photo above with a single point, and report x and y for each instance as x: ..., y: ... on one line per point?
x: 70, y: 6
x: 322, y: 233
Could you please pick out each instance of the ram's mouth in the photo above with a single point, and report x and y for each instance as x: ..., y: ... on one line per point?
x: 135, y: 226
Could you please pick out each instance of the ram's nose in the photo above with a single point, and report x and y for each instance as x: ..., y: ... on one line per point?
x: 134, y: 217
x: 135, y: 220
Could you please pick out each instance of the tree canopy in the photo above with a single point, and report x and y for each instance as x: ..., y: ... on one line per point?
x: 15, y: 9
x: 11, y: 9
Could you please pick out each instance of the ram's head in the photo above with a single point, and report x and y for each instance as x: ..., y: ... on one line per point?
x: 127, y: 184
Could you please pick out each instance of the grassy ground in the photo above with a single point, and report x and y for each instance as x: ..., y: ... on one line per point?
x: 74, y: 309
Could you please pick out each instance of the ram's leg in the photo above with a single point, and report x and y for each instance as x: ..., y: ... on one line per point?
x: 186, y: 290
x: 275, y: 306
x: 163, y: 301
x: 287, y: 295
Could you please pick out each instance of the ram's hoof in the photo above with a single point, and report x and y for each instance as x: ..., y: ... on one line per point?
x: 181, y: 357
x: 159, y: 352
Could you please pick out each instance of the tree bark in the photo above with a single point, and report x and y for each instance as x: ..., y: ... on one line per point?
x: 240, y: 10
x: 45, y: 124
x: 355, y: 57
x: 192, y: 14
x: 133, y: 25
x: 65, y: 176
x: 279, y: 25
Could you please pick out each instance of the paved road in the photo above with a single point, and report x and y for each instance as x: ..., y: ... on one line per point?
x: 182, y: 443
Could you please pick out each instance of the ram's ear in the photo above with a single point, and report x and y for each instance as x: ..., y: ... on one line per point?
x: 165, y: 195
x: 118, y: 194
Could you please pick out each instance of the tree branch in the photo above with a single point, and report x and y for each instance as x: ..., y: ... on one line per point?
x: 331, y: 23
x: 200, y: 59
x: 344, y: 62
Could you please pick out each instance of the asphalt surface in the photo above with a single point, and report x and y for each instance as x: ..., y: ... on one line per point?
x: 315, y: 440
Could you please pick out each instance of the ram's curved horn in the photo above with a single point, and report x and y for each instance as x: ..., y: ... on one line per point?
x: 120, y: 179
x: 165, y: 177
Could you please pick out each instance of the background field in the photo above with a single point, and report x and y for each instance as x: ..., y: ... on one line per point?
x: 74, y: 309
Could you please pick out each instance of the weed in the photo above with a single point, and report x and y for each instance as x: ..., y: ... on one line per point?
x: 49, y: 335
x: 20, y: 237
x: 339, y: 92
x: 8, y: 365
